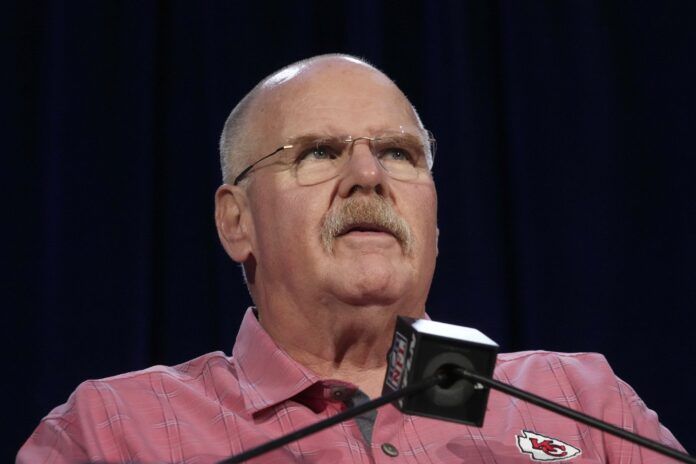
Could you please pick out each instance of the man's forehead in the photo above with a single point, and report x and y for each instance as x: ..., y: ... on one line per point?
x: 336, y: 96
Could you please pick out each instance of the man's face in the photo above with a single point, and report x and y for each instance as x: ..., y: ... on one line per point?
x: 295, y: 256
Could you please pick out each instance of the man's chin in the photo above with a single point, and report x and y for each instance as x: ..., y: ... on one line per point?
x: 370, y: 279
x: 368, y: 300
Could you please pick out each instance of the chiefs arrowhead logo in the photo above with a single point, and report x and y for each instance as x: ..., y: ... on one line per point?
x: 542, y: 448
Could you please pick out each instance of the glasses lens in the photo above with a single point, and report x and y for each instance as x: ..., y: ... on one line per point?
x: 319, y: 160
x: 403, y: 157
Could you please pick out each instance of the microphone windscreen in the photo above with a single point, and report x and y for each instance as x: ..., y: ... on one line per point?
x: 420, y: 348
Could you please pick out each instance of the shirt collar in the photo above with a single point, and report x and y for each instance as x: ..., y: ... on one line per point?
x: 267, y: 374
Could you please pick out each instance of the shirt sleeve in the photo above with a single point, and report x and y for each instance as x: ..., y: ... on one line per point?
x: 636, y: 417
x: 64, y: 434
x: 611, y: 399
x: 52, y: 442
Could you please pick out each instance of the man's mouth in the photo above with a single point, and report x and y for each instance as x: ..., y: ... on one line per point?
x: 365, y: 228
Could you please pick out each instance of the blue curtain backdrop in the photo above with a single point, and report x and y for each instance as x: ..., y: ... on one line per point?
x: 565, y: 170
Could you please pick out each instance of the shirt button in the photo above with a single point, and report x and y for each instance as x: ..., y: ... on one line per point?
x: 390, y: 450
x: 338, y: 393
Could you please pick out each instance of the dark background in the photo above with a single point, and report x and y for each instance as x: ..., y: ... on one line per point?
x: 565, y: 170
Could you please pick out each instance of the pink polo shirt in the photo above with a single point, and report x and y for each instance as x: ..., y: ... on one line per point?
x: 215, y: 406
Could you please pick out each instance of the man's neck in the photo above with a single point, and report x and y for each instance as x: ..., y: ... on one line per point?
x: 347, y: 344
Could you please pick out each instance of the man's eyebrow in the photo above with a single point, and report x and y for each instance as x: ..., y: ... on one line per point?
x: 315, y: 136
x: 407, y: 136
x: 312, y: 137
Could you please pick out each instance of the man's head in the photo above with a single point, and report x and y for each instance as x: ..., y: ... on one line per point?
x: 238, y: 139
x: 359, y: 233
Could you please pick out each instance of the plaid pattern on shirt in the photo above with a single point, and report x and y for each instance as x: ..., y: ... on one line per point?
x: 215, y: 406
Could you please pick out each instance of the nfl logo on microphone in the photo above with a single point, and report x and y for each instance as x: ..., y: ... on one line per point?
x: 397, y: 361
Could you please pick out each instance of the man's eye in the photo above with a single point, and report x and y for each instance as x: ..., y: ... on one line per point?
x: 396, y: 154
x: 319, y: 152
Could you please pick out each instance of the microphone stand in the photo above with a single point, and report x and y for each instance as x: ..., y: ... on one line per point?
x: 443, y: 377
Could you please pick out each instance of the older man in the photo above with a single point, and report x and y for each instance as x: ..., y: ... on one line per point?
x: 329, y: 203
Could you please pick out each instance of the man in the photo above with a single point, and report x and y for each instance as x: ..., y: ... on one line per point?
x: 329, y: 204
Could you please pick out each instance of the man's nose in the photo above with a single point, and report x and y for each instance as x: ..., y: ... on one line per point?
x: 362, y: 170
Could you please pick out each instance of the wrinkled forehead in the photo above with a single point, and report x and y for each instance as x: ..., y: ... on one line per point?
x: 341, y: 99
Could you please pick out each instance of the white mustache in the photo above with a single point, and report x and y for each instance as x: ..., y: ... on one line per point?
x: 373, y: 211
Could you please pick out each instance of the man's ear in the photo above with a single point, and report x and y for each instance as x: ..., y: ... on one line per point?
x: 233, y: 221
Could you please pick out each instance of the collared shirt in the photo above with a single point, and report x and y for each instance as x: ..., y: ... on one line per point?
x: 216, y: 406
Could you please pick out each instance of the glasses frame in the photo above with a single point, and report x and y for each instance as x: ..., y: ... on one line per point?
x: 349, y: 139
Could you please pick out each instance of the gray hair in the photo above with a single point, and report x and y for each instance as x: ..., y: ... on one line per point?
x: 232, y: 140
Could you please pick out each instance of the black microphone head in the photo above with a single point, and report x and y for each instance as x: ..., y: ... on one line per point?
x: 422, y: 347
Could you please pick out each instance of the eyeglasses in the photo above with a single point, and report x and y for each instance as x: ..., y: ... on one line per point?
x: 315, y: 159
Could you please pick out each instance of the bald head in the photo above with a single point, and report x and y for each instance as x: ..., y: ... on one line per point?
x: 250, y: 122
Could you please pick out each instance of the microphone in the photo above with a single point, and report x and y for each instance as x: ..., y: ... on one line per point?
x: 423, y: 347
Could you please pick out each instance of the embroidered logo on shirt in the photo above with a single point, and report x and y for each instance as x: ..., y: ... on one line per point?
x: 542, y: 448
